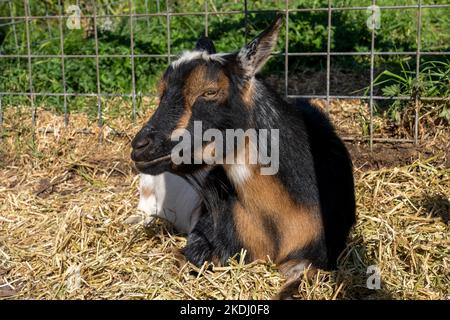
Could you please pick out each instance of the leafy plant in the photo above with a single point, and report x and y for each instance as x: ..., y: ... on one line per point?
x: 433, y: 81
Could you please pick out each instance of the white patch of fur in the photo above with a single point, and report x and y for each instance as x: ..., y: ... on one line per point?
x: 147, y: 204
x: 194, y: 55
x: 173, y: 199
x: 238, y: 173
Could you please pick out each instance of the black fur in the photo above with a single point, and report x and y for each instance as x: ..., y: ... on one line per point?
x: 333, y: 167
x: 205, y: 44
x: 214, y: 236
x: 271, y: 228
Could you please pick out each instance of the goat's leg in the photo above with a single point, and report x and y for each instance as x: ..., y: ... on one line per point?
x: 295, y: 271
x: 200, y: 247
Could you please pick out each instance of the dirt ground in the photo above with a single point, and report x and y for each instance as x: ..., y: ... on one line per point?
x: 64, y: 198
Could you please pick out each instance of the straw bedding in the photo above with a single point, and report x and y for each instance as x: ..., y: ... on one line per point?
x: 65, y: 197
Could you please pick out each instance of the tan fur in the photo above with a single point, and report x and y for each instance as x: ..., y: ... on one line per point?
x: 247, y: 93
x: 161, y: 87
x: 183, y: 122
x: 196, y: 84
x: 252, y: 233
x: 263, y: 196
x: 294, y: 271
x: 215, y: 261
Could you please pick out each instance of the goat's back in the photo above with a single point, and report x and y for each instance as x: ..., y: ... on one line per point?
x: 334, y: 174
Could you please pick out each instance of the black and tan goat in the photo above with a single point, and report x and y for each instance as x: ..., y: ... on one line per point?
x: 300, y: 216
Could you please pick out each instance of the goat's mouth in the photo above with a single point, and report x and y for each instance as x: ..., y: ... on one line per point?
x: 143, y: 165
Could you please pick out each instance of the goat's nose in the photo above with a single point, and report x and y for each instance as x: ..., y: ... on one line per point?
x: 140, y: 142
x: 142, y: 139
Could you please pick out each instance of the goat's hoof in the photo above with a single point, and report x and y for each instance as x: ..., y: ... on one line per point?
x: 180, y: 258
x: 134, y: 219
x: 288, y: 291
x: 148, y: 222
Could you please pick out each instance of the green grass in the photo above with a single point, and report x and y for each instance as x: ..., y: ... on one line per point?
x: 307, y: 32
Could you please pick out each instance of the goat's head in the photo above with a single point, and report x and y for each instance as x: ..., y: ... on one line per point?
x: 202, y: 85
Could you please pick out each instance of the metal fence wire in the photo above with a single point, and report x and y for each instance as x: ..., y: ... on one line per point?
x: 164, y: 12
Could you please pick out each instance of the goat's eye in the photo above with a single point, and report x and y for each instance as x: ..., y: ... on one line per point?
x: 210, y: 93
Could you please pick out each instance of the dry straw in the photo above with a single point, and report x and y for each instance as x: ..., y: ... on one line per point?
x: 64, y: 199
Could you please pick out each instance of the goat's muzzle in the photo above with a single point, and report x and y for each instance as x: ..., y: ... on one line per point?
x: 149, y: 154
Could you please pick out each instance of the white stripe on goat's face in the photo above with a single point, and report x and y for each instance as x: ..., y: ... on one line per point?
x: 194, y: 55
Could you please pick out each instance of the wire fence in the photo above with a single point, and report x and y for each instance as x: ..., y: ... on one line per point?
x: 165, y: 12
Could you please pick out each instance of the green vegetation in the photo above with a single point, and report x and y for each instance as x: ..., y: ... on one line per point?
x: 307, y: 33
x: 434, y: 81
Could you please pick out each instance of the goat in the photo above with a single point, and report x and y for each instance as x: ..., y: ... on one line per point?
x: 299, y: 217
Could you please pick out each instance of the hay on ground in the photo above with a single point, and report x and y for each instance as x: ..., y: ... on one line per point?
x: 64, y: 198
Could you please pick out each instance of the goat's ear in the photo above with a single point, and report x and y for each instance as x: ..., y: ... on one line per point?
x: 205, y: 44
x: 254, y: 55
